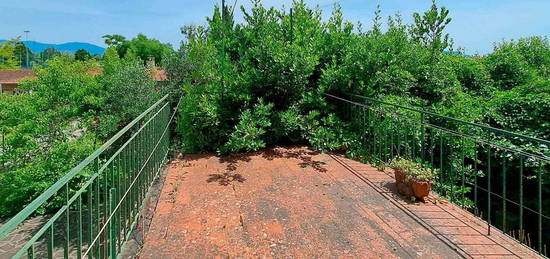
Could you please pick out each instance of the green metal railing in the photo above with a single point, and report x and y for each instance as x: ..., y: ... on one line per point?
x: 499, y: 176
x: 102, y: 196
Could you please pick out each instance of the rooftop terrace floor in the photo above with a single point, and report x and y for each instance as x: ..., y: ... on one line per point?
x: 296, y: 203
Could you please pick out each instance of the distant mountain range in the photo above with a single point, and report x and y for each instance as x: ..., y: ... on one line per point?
x: 71, y: 47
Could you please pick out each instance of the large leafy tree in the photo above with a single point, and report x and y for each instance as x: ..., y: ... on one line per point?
x: 21, y: 52
x: 8, y: 57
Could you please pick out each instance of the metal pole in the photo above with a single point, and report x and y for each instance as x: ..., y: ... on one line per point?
x: 27, y: 48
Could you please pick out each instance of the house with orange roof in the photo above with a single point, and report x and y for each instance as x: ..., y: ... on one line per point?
x: 10, y: 79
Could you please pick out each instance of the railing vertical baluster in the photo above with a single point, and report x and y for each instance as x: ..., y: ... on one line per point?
x: 521, y: 198
x: 137, y: 166
x: 504, y: 194
x: 30, y: 252
x: 141, y: 166
x: 97, y: 221
x: 452, y: 172
x: 119, y: 193
x: 406, y: 145
x: 79, y: 223
x: 384, y: 144
x: 112, y: 224
x: 141, y: 150
x: 398, y: 144
x: 432, y: 151
x: 105, y: 239
x: 463, y: 170
x: 539, y: 179
x: 67, y: 223
x: 423, y: 128
x: 136, y: 169
x: 374, y: 140
x: 127, y: 181
x: 489, y: 191
x: 476, y: 207
x: 413, y: 143
x: 441, y: 160
x: 132, y: 173
x: 364, y: 131
x: 90, y: 218
x: 51, y: 241
x: 392, y: 143
x: 369, y: 128
x: 388, y: 144
x: 122, y: 192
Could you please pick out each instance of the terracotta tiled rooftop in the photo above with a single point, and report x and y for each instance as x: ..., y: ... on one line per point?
x: 9, y: 76
x: 297, y: 203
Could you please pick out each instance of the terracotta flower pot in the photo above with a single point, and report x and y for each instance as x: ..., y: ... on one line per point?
x: 399, y: 176
x: 404, y: 189
x: 403, y: 186
x: 421, y: 190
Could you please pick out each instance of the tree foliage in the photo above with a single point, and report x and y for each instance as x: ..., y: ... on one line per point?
x: 82, y: 55
x: 8, y: 57
x: 140, y: 46
x: 21, y: 51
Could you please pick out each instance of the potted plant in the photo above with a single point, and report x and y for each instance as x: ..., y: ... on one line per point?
x: 401, y: 167
x: 411, y: 179
x: 421, y: 181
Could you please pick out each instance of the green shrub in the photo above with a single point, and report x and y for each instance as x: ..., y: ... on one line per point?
x: 249, y: 132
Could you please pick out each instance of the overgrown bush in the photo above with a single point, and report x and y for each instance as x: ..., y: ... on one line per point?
x: 291, y: 62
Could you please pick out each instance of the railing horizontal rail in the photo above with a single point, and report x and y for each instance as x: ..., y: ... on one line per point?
x: 481, y: 126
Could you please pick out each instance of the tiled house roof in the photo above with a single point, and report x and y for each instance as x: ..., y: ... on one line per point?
x: 8, y: 76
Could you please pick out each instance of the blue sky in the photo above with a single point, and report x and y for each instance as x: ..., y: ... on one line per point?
x: 476, y: 25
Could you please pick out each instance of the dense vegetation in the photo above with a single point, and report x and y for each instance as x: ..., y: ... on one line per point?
x: 66, y: 113
x: 262, y: 82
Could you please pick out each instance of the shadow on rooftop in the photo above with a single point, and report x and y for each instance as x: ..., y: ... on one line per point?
x: 297, y: 153
x: 225, y: 179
